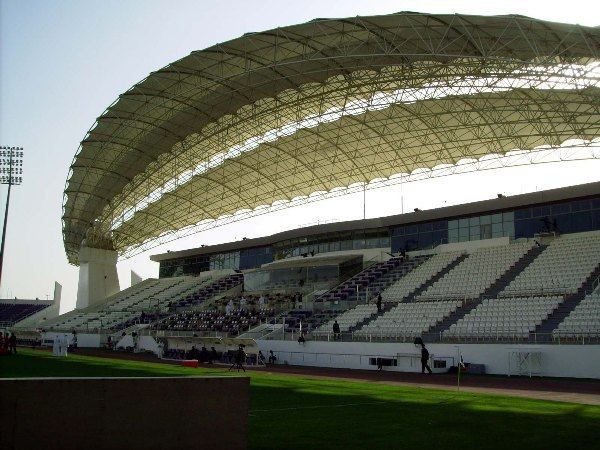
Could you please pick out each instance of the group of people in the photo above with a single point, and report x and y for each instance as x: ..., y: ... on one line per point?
x: 60, y: 345
x: 203, y: 355
x: 8, y: 344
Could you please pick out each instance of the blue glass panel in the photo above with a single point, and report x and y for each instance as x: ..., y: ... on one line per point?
x: 581, y: 205
x: 425, y: 227
x: 581, y: 221
x: 561, y: 208
x: 522, y: 214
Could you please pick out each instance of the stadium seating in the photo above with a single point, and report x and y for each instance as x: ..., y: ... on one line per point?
x: 217, y: 321
x: 11, y: 313
x: 559, y: 269
x: 144, y: 303
x: 210, y: 289
x: 414, y: 279
x: 408, y: 320
x: 504, y: 317
x: 356, y: 287
x: 584, y: 320
x: 477, y: 272
x: 350, y: 318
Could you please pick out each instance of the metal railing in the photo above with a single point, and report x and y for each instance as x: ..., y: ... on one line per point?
x: 500, y: 337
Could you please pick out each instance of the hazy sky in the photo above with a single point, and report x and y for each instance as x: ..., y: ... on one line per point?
x: 63, y: 62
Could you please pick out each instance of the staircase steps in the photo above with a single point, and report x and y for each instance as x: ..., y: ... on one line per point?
x: 393, y: 275
x: 509, y: 276
x: 385, y: 307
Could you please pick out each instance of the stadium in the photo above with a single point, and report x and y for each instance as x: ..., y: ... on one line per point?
x: 495, y: 292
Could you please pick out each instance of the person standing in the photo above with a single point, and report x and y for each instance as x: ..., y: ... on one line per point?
x: 336, y: 331
x: 424, y: 359
x: 379, y: 302
x: 213, y: 355
x: 12, y: 343
x: 56, y: 346
x: 240, y: 357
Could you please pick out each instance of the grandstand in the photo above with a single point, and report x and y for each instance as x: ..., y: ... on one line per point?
x: 583, y: 321
x: 12, y: 312
x: 144, y: 303
x: 289, y: 116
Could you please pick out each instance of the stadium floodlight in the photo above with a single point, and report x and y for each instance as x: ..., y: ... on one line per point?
x: 11, y: 172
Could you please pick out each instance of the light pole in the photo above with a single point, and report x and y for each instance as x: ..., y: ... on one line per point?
x: 11, y: 172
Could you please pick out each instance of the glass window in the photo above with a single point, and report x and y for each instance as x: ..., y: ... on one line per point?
x: 398, y: 231
x: 485, y: 220
x: 581, y: 205
x: 346, y: 244
x: 508, y: 216
x: 561, y: 208
x: 372, y: 243
x: 486, y: 231
x: 424, y: 227
x: 425, y: 240
x: 563, y: 223
x: 596, y: 220
x: 596, y: 203
x: 453, y: 224
x: 474, y: 233
x: 582, y: 221
x: 508, y: 229
x: 536, y: 212
x: 522, y: 214
x: 497, y: 228
x: 411, y: 229
x: 334, y: 246
x: 384, y: 241
x: 473, y: 221
x: 440, y: 225
x: 452, y: 235
x: 440, y: 237
x: 463, y: 223
x: 463, y: 234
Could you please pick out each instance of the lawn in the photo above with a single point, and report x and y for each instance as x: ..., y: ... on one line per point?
x: 296, y: 412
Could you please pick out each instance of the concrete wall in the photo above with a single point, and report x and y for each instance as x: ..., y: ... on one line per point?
x: 124, y: 413
x: 579, y: 361
x: 89, y: 340
x: 98, y: 276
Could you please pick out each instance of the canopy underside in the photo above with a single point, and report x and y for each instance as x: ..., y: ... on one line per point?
x: 276, y: 115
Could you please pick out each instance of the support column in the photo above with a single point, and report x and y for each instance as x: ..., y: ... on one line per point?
x: 98, y: 276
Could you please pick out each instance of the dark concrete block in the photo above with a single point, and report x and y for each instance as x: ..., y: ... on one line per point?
x: 124, y: 413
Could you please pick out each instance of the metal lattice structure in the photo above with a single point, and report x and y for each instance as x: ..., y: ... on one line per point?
x: 272, y: 118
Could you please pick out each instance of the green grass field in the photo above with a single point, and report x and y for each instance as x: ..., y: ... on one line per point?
x: 296, y: 412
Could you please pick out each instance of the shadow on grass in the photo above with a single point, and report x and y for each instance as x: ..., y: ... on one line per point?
x: 295, y: 412
x: 364, y: 417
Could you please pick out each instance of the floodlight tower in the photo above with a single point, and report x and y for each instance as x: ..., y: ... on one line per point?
x: 11, y: 172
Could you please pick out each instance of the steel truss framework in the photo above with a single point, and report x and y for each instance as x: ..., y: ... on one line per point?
x: 272, y: 119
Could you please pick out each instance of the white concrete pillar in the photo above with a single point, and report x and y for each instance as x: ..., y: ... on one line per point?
x: 98, y: 276
x: 135, y: 278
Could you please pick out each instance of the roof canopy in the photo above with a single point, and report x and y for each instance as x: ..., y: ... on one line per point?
x: 273, y: 116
